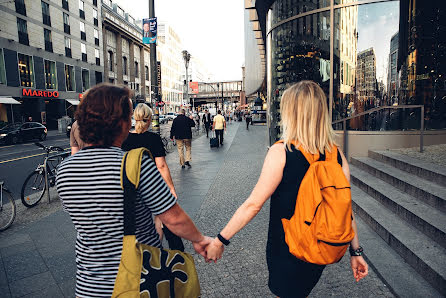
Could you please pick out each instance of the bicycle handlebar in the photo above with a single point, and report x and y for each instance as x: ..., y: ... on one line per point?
x: 48, y: 149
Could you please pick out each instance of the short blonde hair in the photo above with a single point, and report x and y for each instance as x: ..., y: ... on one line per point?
x: 143, y: 116
x: 305, y: 119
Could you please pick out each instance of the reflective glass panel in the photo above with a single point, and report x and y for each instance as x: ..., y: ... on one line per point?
x: 300, y: 50
x: 284, y: 9
x: 50, y: 74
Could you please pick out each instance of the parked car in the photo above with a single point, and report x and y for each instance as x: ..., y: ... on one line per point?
x: 18, y: 132
x: 171, y: 116
x: 163, y: 119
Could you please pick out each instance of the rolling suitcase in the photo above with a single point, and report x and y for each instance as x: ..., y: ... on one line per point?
x: 213, y: 141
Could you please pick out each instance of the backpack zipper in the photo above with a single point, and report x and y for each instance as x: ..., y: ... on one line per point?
x: 334, y: 244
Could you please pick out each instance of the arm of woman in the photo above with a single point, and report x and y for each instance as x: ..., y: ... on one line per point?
x: 165, y: 173
x: 269, y: 179
x: 359, y: 265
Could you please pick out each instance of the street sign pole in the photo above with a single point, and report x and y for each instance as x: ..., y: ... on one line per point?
x: 154, y: 76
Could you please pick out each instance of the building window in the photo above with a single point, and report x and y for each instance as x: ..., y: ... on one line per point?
x: 20, y: 7
x: 2, y: 68
x: 67, y: 46
x: 95, y: 17
x: 50, y: 75
x: 98, y: 58
x: 23, y: 31
x: 46, y: 13
x: 84, y: 52
x: 124, y: 65
x: 110, y: 60
x: 65, y: 4
x: 26, y: 69
x: 82, y: 27
x: 48, y: 40
x: 66, y: 23
x: 81, y: 9
x: 136, y: 69
x: 95, y: 3
x: 96, y: 37
x: 147, y: 72
x: 69, y: 77
x: 85, y: 80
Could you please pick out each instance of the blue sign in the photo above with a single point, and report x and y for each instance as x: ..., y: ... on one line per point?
x: 150, y: 28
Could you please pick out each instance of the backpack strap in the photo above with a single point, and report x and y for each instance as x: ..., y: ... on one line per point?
x: 333, y: 155
x: 311, y: 158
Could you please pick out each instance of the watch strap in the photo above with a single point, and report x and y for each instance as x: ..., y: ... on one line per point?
x: 223, y: 240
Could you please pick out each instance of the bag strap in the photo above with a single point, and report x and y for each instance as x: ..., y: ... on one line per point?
x: 311, y: 158
x: 130, y: 187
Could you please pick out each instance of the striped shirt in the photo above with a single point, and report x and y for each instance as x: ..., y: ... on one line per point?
x: 89, y: 185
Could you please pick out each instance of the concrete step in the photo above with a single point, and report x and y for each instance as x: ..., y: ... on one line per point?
x: 430, y: 192
x: 423, y: 254
x: 391, y: 268
x: 422, y: 169
x: 424, y: 217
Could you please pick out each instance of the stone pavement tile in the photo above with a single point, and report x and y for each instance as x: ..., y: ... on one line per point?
x: 62, y: 267
x: 13, y: 239
x: 68, y: 287
x: 17, y: 248
x: 23, y: 265
x: 46, y: 293
x: 45, y: 234
x: 33, y: 284
x: 4, y: 287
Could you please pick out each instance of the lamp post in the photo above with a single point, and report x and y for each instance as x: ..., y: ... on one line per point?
x: 154, y: 75
x: 186, y: 58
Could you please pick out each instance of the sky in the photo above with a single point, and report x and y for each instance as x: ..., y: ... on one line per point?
x: 210, y: 30
x: 377, y: 23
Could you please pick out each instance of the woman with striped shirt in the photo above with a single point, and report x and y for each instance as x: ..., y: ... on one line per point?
x: 89, y: 185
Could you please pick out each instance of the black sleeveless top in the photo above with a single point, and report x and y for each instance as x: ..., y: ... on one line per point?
x: 281, y: 263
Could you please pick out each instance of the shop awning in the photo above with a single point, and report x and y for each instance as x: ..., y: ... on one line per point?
x: 74, y: 102
x: 8, y: 100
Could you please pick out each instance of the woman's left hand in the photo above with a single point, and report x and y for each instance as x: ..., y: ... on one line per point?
x: 214, y: 251
x: 359, y: 267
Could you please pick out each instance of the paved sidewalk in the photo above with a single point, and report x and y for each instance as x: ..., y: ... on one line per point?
x: 37, y: 259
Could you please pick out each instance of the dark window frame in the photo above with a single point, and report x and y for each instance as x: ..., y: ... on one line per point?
x: 23, y: 36
x: 46, y: 17
x: 48, y: 42
x: 46, y: 67
x: 26, y: 77
x: 110, y: 61
x: 69, y: 82
x: 20, y: 7
x: 65, y: 5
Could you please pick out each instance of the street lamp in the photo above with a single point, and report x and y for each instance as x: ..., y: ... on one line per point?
x: 186, y: 58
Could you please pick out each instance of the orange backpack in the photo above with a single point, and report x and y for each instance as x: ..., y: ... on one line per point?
x: 320, y: 230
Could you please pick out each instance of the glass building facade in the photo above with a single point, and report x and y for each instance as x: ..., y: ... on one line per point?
x: 364, y: 55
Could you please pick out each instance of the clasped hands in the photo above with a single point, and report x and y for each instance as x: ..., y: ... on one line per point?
x: 210, y: 249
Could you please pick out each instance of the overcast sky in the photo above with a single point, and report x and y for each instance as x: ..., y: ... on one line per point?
x: 209, y: 29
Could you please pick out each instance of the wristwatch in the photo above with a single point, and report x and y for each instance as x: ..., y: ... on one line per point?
x: 356, y: 252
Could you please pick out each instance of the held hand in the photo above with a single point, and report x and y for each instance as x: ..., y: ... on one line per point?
x: 200, y: 247
x: 215, y: 250
x: 359, y: 267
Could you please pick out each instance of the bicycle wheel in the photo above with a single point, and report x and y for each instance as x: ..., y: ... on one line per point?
x: 7, y: 210
x: 33, y: 189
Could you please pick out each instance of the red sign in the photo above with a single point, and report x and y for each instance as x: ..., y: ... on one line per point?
x: 39, y: 93
x: 81, y: 96
x: 194, y: 87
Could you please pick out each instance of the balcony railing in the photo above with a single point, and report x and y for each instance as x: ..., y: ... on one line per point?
x: 374, y: 111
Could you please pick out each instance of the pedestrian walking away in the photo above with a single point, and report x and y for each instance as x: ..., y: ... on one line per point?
x: 307, y: 137
x: 248, y: 120
x: 207, y: 122
x: 181, y: 132
x: 89, y: 185
x: 219, y: 126
x: 141, y: 137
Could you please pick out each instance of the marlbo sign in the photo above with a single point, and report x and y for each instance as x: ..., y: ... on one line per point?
x: 39, y: 93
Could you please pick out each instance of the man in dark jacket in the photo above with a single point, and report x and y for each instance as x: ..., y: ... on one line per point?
x: 182, y: 133
x: 207, y: 122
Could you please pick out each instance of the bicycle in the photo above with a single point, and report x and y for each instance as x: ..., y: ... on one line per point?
x: 35, y: 185
x: 7, y: 207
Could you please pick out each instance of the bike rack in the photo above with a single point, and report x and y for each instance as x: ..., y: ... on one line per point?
x: 45, y: 162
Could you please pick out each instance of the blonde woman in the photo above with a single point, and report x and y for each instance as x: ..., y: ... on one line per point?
x: 141, y: 137
x: 305, y: 120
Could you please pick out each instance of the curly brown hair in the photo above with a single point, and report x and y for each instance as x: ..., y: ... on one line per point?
x: 101, y: 112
